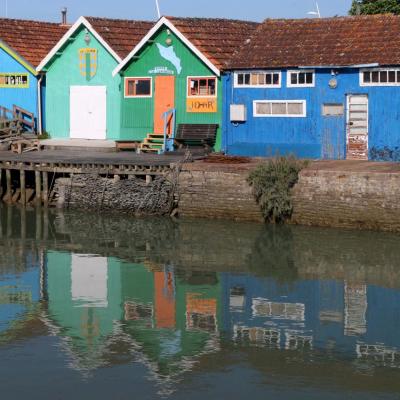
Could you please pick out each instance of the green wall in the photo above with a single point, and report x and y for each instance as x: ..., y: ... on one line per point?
x: 137, y: 114
x: 64, y: 71
x: 71, y: 316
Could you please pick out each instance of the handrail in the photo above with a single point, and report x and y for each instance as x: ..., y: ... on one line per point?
x: 169, y: 146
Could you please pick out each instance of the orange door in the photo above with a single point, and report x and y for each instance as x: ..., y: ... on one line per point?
x: 164, y: 100
x: 164, y: 300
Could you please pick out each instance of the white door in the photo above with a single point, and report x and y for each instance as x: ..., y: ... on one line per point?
x: 88, y: 108
x: 357, y: 127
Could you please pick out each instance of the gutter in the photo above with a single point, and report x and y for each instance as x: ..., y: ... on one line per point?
x: 39, y: 102
x: 374, y: 65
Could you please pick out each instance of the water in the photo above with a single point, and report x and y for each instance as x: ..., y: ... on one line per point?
x: 119, y: 308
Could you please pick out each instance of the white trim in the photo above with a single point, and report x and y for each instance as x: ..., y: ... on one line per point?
x: 271, y: 86
x: 299, y: 85
x: 255, y: 102
x: 363, y: 84
x: 81, y: 21
x: 201, y: 77
x: 137, y: 78
x: 152, y: 32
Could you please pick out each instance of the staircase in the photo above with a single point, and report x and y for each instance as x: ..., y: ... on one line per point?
x: 153, y: 143
x: 159, y: 143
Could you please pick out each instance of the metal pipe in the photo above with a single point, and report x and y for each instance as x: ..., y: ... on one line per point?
x: 39, y: 94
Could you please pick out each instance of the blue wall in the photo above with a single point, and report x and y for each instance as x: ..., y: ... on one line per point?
x: 314, y: 136
x: 25, y: 98
x: 320, y: 298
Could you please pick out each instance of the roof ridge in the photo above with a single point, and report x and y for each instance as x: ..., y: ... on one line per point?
x: 212, y: 19
x: 334, y: 18
x: 119, y: 19
x: 18, y: 20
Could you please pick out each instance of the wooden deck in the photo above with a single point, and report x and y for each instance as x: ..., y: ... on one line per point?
x: 86, y: 161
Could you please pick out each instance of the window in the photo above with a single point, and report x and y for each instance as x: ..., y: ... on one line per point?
x: 258, y: 79
x: 300, y: 78
x: 279, y: 108
x: 380, y: 77
x: 14, y: 81
x: 202, y: 87
x: 332, y: 110
x: 138, y: 87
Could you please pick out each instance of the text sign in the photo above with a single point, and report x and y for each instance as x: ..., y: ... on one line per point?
x: 205, y: 105
x: 161, y: 71
x: 14, y: 81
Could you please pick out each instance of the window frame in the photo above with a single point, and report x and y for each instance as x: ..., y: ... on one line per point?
x: 289, y: 83
x: 369, y: 84
x: 303, y: 115
x: 137, y: 78
x: 265, y: 86
x: 191, y: 96
x: 15, y: 86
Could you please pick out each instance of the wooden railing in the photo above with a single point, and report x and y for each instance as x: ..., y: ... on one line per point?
x: 27, y: 118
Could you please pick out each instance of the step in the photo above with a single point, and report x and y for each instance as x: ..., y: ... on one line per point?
x: 153, y: 144
x: 156, y: 141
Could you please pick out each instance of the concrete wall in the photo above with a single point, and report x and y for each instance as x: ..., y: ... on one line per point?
x: 217, y: 191
x: 349, y: 199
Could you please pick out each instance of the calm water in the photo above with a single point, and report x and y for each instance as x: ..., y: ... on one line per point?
x: 121, y: 308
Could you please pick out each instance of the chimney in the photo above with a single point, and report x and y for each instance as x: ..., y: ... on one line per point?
x: 64, y: 16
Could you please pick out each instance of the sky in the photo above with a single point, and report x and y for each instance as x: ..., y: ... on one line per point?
x: 255, y: 10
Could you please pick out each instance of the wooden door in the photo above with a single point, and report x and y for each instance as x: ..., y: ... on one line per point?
x: 164, y: 100
x: 88, y: 109
x: 357, y: 127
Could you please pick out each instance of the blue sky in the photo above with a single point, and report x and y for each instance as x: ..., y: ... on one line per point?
x: 145, y: 9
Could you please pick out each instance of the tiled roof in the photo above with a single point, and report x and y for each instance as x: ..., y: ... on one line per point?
x: 30, y: 39
x: 342, y: 41
x: 121, y: 35
x: 217, y: 39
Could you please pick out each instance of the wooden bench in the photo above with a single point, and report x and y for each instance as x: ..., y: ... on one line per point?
x: 196, y: 135
x: 126, y: 145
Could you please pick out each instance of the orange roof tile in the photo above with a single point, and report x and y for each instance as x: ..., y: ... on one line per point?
x: 339, y: 41
x: 31, y: 39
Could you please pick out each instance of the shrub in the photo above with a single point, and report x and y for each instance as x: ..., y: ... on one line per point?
x: 272, y: 182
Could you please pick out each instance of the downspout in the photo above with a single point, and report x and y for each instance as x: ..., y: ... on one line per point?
x: 39, y: 94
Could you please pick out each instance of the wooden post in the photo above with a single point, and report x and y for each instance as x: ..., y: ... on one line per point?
x: 1, y: 183
x: 45, y: 195
x: 46, y: 224
x: 23, y: 186
x: 9, y: 221
x: 8, y: 195
x: 38, y: 188
x: 38, y: 224
x: 23, y: 223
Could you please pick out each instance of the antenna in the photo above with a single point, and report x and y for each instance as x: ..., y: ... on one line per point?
x: 317, y: 12
x: 158, y: 9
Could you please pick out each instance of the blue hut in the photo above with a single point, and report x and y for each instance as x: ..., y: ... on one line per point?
x: 23, y: 44
x: 320, y: 89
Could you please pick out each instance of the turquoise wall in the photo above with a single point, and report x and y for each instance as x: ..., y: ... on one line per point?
x: 64, y: 71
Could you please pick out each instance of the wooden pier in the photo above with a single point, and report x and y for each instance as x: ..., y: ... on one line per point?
x: 29, y: 177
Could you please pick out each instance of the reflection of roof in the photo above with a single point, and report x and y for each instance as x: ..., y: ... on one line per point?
x: 30, y: 39
x: 335, y: 41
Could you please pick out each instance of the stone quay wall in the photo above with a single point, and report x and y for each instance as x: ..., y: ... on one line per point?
x: 217, y: 191
x: 346, y: 198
